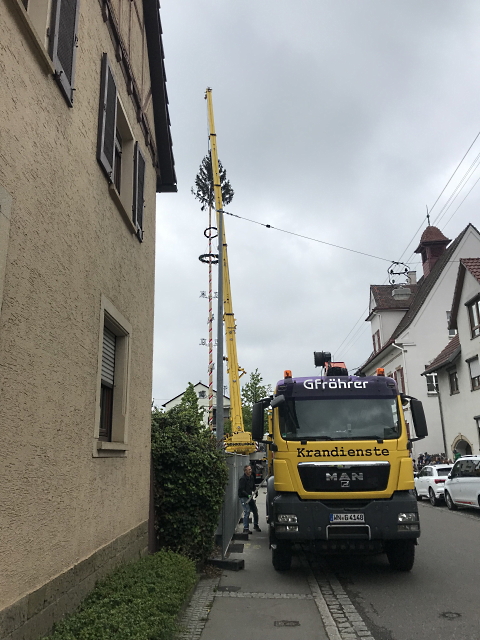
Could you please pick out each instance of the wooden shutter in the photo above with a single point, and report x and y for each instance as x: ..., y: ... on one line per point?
x: 138, y: 190
x: 107, y: 119
x: 63, y: 44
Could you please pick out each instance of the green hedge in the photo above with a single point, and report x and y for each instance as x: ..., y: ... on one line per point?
x: 190, y: 478
x: 139, y: 601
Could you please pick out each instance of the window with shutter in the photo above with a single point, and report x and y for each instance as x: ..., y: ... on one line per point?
x: 138, y: 190
x: 107, y: 119
x: 63, y: 44
x: 108, y: 379
x: 111, y: 407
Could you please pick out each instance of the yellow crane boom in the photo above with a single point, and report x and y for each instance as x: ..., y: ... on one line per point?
x: 240, y: 441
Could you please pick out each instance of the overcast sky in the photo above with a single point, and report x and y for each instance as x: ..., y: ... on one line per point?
x: 336, y: 119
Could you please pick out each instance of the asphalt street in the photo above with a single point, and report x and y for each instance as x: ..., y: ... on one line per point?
x: 350, y: 597
x: 438, y: 599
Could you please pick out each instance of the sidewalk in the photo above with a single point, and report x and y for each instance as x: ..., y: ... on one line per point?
x: 260, y: 602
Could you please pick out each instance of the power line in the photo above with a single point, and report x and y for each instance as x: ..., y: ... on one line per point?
x: 299, y: 235
x: 461, y: 204
x: 354, y: 339
x: 458, y: 166
x: 458, y: 189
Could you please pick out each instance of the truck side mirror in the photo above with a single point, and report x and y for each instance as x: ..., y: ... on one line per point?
x: 419, y: 421
x: 277, y: 400
x: 258, y: 426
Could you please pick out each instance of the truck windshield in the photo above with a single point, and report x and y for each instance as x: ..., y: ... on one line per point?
x: 340, y: 419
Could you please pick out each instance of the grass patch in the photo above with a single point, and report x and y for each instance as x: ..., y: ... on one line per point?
x: 139, y: 601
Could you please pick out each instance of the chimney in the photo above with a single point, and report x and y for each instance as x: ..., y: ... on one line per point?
x: 401, y: 293
x: 432, y: 246
x: 412, y: 277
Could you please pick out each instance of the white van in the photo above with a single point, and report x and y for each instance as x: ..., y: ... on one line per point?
x: 462, y: 487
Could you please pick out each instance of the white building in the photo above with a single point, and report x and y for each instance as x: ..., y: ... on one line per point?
x: 411, y: 327
x: 457, y: 367
x: 202, y: 394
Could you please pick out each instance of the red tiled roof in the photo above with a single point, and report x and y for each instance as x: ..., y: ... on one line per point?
x: 382, y: 294
x: 448, y: 355
x: 466, y: 264
x: 473, y: 265
x: 433, y: 234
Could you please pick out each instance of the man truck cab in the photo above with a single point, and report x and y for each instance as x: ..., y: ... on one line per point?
x: 341, y: 467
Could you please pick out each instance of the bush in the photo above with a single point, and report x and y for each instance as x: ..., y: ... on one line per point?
x: 190, y: 478
x: 139, y: 601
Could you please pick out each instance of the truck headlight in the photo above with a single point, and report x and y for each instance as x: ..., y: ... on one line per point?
x: 407, y: 517
x: 286, y: 518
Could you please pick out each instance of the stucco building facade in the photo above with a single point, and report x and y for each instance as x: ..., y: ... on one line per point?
x: 84, y: 148
x: 408, y: 332
x: 457, y: 366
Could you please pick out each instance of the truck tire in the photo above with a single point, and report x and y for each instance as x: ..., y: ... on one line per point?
x: 400, y: 554
x: 282, y: 556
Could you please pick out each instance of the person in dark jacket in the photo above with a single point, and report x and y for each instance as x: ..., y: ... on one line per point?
x: 247, y: 493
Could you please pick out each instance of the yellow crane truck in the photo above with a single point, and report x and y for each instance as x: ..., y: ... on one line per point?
x: 341, y: 467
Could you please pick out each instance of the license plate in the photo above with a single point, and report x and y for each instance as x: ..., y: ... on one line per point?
x: 347, y: 517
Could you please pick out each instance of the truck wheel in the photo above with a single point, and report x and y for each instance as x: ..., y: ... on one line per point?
x: 282, y: 556
x: 400, y: 554
x: 433, y: 500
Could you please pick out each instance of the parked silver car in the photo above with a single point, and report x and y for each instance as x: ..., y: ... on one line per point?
x: 462, y: 488
x: 430, y: 482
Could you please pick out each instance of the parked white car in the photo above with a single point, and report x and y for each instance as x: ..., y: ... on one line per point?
x: 462, y: 488
x: 430, y: 482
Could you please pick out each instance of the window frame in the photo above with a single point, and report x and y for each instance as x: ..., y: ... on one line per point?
x: 432, y: 380
x: 116, y: 443
x: 474, y: 327
x: 125, y: 172
x: 474, y: 380
x: 453, y: 378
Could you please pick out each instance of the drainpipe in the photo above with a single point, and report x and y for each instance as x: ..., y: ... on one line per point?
x: 405, y: 378
x: 441, y: 417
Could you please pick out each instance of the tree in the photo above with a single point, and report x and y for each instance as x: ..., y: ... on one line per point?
x: 252, y: 392
x: 203, y: 190
x: 187, y: 415
x: 190, y: 476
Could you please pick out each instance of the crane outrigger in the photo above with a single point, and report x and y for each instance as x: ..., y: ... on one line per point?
x: 240, y: 441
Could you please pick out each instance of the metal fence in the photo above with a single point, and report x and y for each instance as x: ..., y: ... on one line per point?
x: 231, y: 509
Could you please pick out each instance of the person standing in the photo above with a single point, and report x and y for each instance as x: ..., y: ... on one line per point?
x: 247, y: 493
